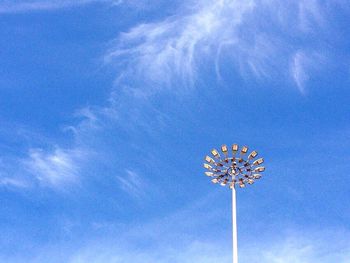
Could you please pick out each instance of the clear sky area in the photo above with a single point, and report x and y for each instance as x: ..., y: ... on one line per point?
x: 108, y: 108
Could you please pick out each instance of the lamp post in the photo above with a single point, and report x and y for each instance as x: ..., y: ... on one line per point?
x: 233, y: 169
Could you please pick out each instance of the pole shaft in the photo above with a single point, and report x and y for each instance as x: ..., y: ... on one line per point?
x: 234, y: 227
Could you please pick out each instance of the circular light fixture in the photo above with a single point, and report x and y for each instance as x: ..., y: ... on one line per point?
x: 233, y: 169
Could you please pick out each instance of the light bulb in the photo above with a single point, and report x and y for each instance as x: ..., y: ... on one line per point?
x: 209, y: 159
x: 252, y: 155
x: 224, y: 182
x: 259, y: 169
x: 258, y: 162
x: 235, y: 148
x: 215, y: 153
x: 257, y: 176
x: 224, y: 149
x: 209, y: 173
x: 244, y: 150
x: 215, y: 180
x: 207, y: 166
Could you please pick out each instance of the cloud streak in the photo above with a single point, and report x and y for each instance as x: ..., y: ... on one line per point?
x: 303, y: 64
x: 13, y: 182
x: 170, y: 54
x: 132, y: 183
x: 55, y: 168
x: 306, y: 247
x: 301, y: 247
x: 22, y: 6
x: 298, y: 70
x: 163, y: 53
x: 287, y: 248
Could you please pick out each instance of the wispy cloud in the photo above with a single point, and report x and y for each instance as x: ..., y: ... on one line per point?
x: 285, y: 248
x: 37, y: 160
x: 166, y: 52
x: 54, y: 168
x: 302, y: 65
x: 13, y: 182
x: 195, y: 251
x: 303, y: 247
x: 298, y: 71
x: 309, y: 15
x: 170, y: 54
x: 20, y: 6
x: 294, y: 247
x: 132, y: 183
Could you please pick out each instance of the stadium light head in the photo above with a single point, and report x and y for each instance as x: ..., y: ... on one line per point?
x: 230, y: 170
x: 215, y: 153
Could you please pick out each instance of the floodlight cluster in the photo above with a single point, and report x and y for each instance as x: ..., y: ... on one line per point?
x: 233, y: 167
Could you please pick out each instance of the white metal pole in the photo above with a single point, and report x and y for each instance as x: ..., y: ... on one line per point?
x: 234, y: 227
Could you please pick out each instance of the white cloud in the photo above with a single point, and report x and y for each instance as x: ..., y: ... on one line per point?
x: 9, y: 177
x: 54, y: 168
x: 166, y: 52
x: 310, y: 14
x: 46, y: 163
x: 171, y: 53
x: 195, y: 251
x: 299, y: 73
x: 132, y: 183
x: 19, y: 6
x: 189, y: 235
x: 192, y: 235
x: 303, y: 64
x: 13, y: 182
x: 302, y: 248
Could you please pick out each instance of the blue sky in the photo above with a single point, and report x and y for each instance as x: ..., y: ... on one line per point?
x: 107, y: 109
